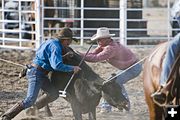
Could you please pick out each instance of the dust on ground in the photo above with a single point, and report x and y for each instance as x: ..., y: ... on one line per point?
x: 12, y: 89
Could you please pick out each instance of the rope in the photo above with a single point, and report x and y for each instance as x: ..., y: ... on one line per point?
x: 124, y: 70
x: 106, y: 81
x: 17, y: 64
x: 7, y: 61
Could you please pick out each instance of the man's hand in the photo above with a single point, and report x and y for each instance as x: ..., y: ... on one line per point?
x: 76, y: 69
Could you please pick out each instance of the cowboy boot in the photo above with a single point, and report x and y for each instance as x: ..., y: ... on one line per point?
x: 12, y: 112
x: 160, y: 96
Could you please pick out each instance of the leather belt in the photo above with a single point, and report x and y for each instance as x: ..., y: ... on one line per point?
x: 40, y: 68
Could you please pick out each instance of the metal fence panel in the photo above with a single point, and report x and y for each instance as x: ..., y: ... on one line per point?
x: 132, y: 23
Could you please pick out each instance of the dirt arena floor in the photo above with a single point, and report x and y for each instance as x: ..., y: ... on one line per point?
x: 13, y: 89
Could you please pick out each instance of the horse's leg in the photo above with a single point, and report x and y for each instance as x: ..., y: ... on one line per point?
x: 32, y: 35
x: 155, y: 112
x: 92, y: 114
x: 159, y: 112
x: 150, y: 107
x: 31, y: 44
x: 32, y: 18
x: 50, y: 26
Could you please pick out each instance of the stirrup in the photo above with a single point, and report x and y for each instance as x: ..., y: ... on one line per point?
x: 160, y: 99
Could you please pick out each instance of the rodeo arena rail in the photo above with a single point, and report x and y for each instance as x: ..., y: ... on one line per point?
x: 24, y: 24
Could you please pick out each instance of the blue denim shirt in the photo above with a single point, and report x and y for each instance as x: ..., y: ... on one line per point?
x: 49, y: 56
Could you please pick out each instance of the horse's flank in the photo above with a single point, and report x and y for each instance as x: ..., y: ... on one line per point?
x: 155, y: 61
x: 151, y: 75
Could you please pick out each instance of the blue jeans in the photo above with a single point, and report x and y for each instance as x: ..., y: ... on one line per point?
x: 129, y: 74
x: 105, y: 105
x: 125, y: 77
x: 38, y: 80
x: 171, y: 54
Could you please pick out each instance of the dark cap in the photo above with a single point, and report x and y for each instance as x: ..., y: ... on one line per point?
x: 66, y: 33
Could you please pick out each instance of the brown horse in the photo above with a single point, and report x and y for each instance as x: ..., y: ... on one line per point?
x: 151, y: 75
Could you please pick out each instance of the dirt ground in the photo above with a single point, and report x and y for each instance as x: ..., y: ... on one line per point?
x: 12, y: 89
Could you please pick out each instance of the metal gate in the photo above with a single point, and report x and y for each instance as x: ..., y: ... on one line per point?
x: 125, y: 18
x: 85, y: 16
x: 16, y: 27
x: 145, y: 31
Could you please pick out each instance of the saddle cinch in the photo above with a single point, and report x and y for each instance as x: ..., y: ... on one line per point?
x: 156, y: 59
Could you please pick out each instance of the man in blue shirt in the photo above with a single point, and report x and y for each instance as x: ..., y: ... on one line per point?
x: 48, y: 58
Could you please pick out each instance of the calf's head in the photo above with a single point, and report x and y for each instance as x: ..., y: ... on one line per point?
x: 112, y: 93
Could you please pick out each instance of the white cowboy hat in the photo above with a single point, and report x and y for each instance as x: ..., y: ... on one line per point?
x: 102, y: 32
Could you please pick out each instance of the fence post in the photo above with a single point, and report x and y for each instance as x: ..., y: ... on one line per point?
x: 82, y: 23
x: 3, y: 23
x: 123, y: 21
x: 37, y: 24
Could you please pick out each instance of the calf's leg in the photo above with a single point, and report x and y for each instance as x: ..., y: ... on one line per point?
x: 76, y: 110
x: 92, y: 114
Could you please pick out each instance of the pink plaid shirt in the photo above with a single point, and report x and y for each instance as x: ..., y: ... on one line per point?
x: 115, y: 53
